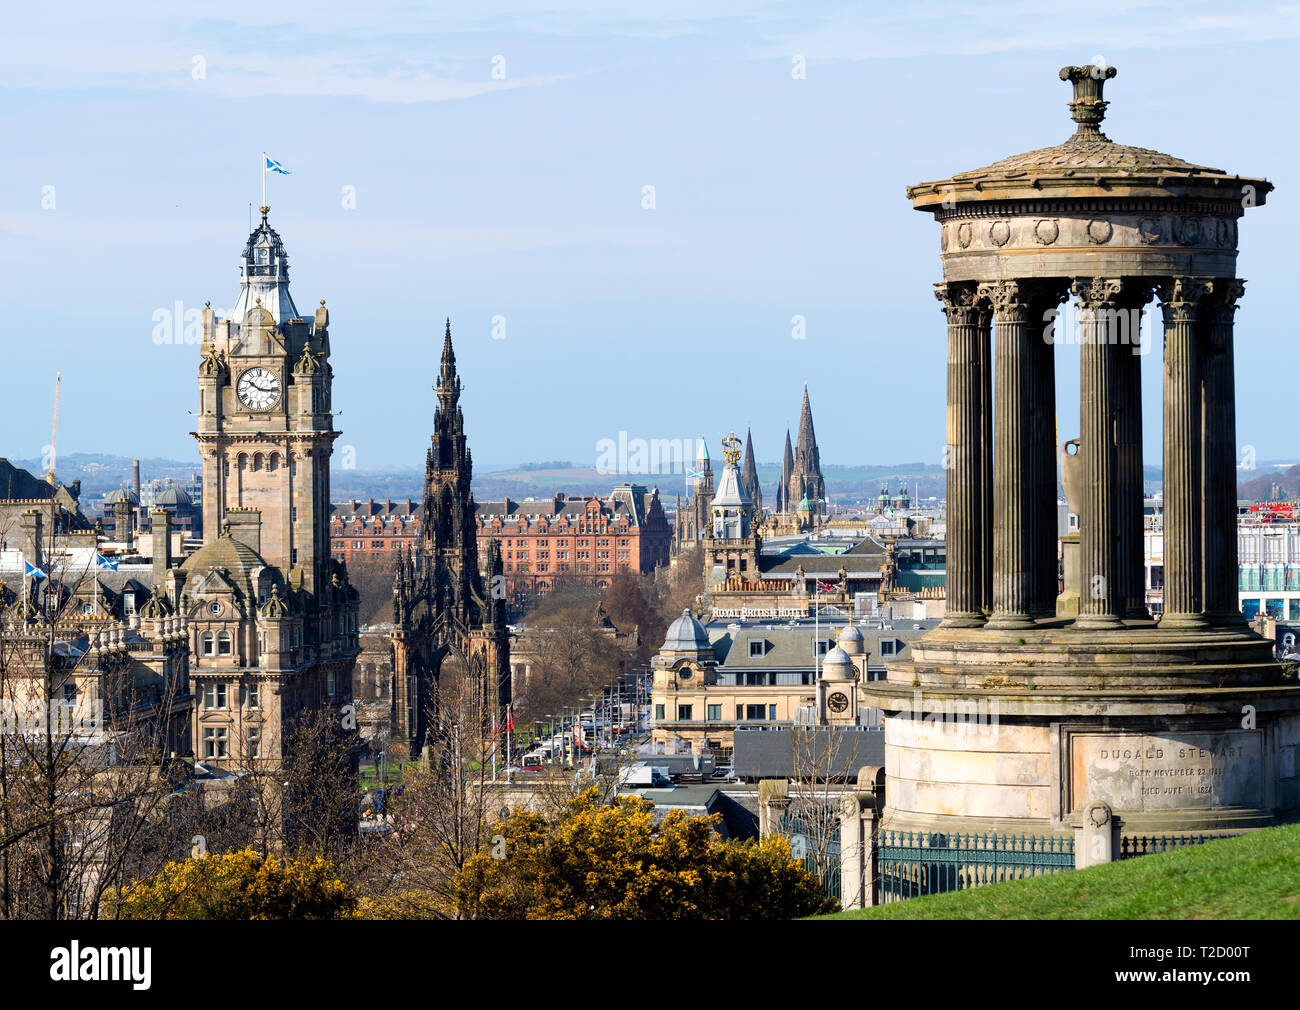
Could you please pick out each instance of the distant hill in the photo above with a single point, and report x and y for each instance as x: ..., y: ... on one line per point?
x: 100, y: 474
x: 1273, y: 485
x: 845, y: 484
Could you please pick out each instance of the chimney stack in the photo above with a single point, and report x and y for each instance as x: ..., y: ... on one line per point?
x: 246, y: 526
x: 30, y: 528
x: 135, y: 477
x: 161, y: 521
x: 123, y: 516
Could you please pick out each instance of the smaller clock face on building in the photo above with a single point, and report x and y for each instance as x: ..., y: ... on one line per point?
x: 258, y: 388
x: 838, y: 702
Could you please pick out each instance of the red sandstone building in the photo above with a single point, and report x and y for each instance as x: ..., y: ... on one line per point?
x: 541, y: 540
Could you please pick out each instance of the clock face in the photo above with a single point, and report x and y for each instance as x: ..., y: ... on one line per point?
x: 838, y: 702
x: 258, y: 388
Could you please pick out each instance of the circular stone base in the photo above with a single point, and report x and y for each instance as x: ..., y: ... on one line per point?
x: 1018, y: 731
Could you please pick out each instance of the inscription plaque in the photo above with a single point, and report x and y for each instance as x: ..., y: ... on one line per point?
x: 1174, y: 771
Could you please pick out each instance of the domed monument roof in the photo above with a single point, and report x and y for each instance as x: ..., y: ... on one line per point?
x: 173, y: 496
x: 850, y: 640
x: 121, y: 494
x: 838, y: 665
x: 686, y: 634
x: 1087, y: 164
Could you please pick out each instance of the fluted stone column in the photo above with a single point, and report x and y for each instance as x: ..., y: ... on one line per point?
x: 1014, y: 547
x: 1219, y: 437
x: 1180, y: 299
x: 967, y: 323
x: 1044, y: 577
x: 986, y: 456
x: 1130, y: 563
x: 1099, y: 602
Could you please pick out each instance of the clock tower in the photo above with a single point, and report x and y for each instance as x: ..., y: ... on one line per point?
x: 265, y: 426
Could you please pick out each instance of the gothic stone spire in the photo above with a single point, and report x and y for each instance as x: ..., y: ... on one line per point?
x: 749, y: 475
x: 783, y: 503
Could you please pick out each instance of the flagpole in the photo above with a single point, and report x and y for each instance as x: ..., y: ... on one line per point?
x: 263, y: 178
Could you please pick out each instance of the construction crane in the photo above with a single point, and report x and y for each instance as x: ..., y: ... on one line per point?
x: 54, y: 435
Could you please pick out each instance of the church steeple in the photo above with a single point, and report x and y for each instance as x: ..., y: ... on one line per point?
x: 806, y: 478
x: 783, y: 503
x: 749, y: 476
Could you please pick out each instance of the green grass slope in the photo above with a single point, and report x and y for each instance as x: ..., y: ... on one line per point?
x: 1254, y: 876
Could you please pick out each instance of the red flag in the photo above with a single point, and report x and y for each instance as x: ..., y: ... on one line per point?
x: 510, y: 718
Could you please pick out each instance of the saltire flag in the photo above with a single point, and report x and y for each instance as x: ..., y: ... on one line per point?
x: 275, y: 166
x: 103, y: 562
x: 827, y: 587
x: 694, y: 474
x: 31, y: 571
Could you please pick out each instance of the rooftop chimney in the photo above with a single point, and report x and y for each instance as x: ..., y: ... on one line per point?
x: 162, y: 546
x: 246, y: 526
x: 135, y: 477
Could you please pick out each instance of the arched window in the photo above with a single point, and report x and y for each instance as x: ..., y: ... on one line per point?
x: 223, y: 643
x: 207, y: 643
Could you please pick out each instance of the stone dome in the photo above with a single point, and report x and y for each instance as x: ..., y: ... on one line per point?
x: 173, y: 496
x: 851, y: 641
x: 838, y: 666
x: 686, y: 634
x: 225, y: 552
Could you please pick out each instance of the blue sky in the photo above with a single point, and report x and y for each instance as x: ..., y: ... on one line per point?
x: 522, y: 197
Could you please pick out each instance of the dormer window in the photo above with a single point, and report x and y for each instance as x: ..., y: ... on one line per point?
x: 263, y: 255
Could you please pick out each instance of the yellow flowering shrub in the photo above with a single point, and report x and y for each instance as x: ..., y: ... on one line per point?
x: 240, y: 885
x: 599, y: 861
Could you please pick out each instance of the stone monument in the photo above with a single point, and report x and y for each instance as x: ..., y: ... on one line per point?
x: 1010, y: 717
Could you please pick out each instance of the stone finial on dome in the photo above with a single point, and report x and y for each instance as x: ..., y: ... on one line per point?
x: 1087, y: 109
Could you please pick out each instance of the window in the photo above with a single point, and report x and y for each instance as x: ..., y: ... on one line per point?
x: 87, y: 608
x: 214, y: 696
x: 254, y: 741
x: 254, y: 695
x: 771, y: 711
x: 755, y: 712
x: 356, y: 545
x: 223, y: 643
x: 128, y: 603
x: 376, y: 545
x: 757, y: 649
x: 208, y: 644
x: 1157, y: 576
x: 659, y: 712
x: 214, y: 741
x: 715, y: 713
x: 69, y: 692
x: 684, y: 712
x: 823, y: 648
x: 329, y: 684
x: 887, y: 646
x: 293, y: 513
x: 214, y: 608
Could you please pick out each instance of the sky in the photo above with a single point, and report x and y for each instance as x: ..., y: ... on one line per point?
x: 489, y: 162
